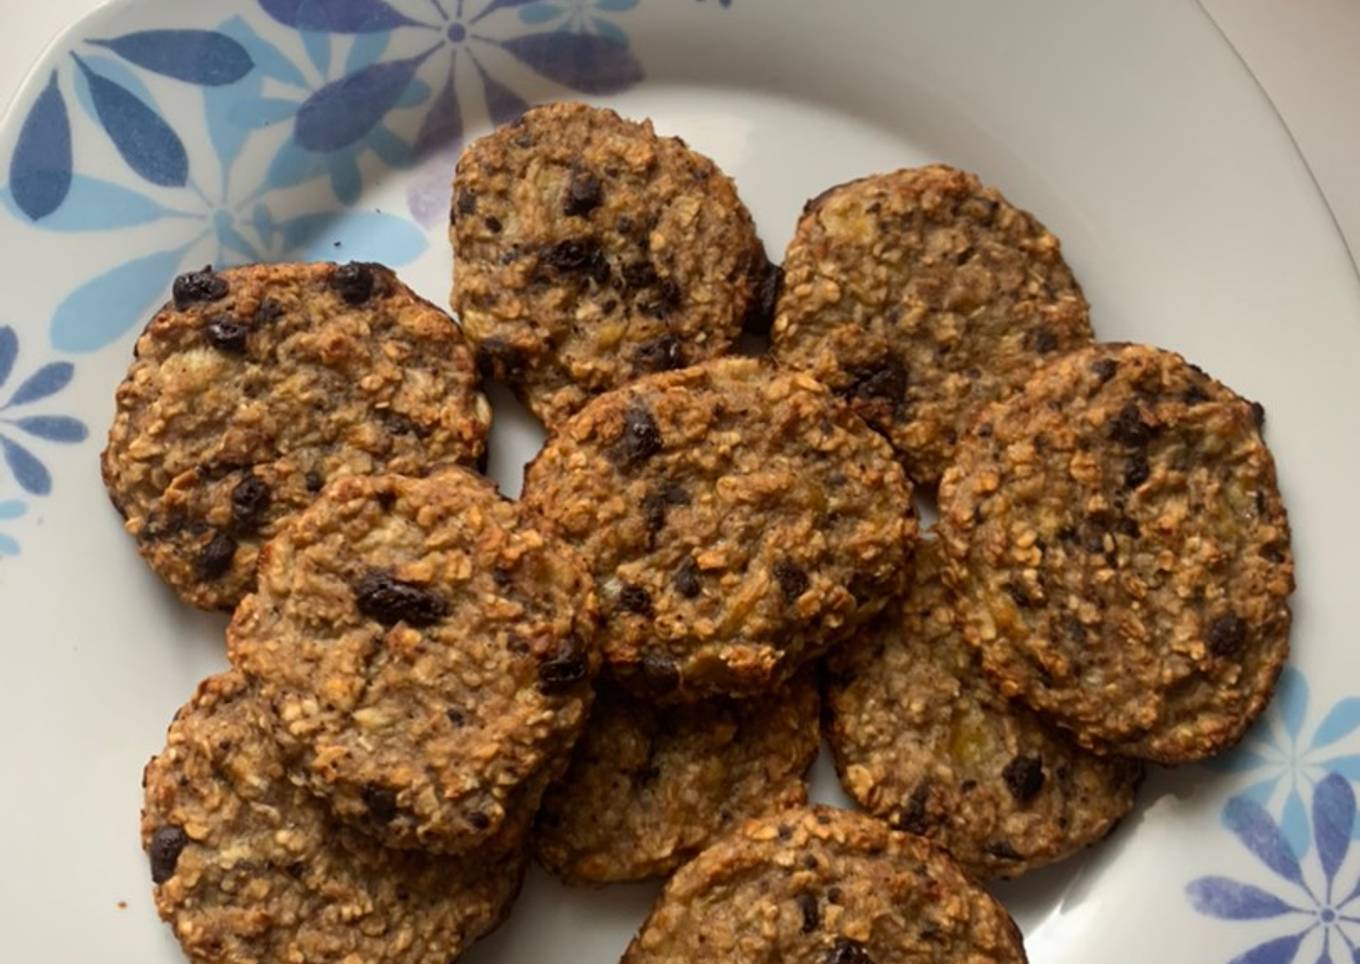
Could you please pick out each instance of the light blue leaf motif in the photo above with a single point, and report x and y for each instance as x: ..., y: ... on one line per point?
x: 363, y: 236
x: 293, y: 165
x: 443, y: 124
x: 1253, y: 826
x: 97, y: 205
x: 1348, y: 766
x: 346, y: 179
x: 495, y: 5
x: 269, y: 60
x: 256, y: 112
x: 586, y: 62
x: 232, y: 240
x: 8, y: 547
x: 343, y: 111
x: 1279, y: 951
x: 1340, y: 722
x: 145, y: 141
x: 43, y: 383
x: 1294, y: 824
x: 105, y: 307
x: 9, y: 350
x: 613, y: 31
x: 394, y: 151
x: 54, y: 428
x: 40, y: 169
x: 202, y: 57
x: 502, y: 103
x: 1291, y: 697
x: 536, y: 13
x: 31, y: 474
x: 318, y: 47
x: 416, y: 93
x: 1333, y: 821
x: 366, y: 50
x: 12, y: 509
x: 337, y: 16
x: 1262, y: 791
x: 1232, y: 900
x: 615, y: 6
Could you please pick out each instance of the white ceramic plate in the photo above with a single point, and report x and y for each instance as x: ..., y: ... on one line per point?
x: 328, y: 128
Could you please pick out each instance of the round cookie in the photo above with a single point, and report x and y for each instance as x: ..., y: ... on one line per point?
x: 922, y: 739
x: 590, y: 251
x: 427, y: 655
x: 920, y: 296
x: 250, y: 868
x: 738, y: 519
x: 256, y: 386
x: 1123, y: 554
x: 649, y: 787
x: 820, y: 886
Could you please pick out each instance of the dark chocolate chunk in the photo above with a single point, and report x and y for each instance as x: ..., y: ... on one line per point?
x: 793, y: 581
x: 226, y: 334
x: 1045, y: 341
x: 1024, y: 777
x: 661, y: 354
x: 572, y: 254
x: 214, y: 561
x: 381, y: 803
x: 355, y: 282
x: 388, y: 600
x: 455, y: 716
x: 479, y: 820
x: 639, y: 274
x: 249, y: 502
x: 635, y: 599
x: 687, y: 578
x: 493, y: 224
x: 846, y: 951
x: 1003, y: 851
x: 641, y: 437
x: 568, y: 667
x: 1104, y: 369
x: 912, y: 817
x: 1227, y: 634
x: 167, y: 843
x: 886, y: 381
x: 1136, y: 471
x: 1194, y: 395
x: 584, y: 194
x: 1129, y: 428
x: 811, y: 910
x: 466, y: 203
x: 199, y: 286
x: 315, y: 481
x: 269, y: 310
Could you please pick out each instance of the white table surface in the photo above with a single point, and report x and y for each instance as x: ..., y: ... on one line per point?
x: 1305, y: 53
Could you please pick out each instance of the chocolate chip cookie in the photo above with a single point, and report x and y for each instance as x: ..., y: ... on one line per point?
x: 649, y: 787
x: 255, y: 387
x: 1123, y: 554
x: 248, y: 867
x: 924, y: 740
x: 920, y: 296
x: 739, y: 520
x: 590, y: 251
x: 820, y: 886
x: 427, y: 655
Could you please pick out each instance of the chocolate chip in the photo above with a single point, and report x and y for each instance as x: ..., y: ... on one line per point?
x: 355, y: 282
x: 455, y: 716
x: 641, y: 437
x: 564, y: 670
x: 1074, y: 629
x: 226, y: 334
x: 479, y: 820
x: 249, y: 502
x: 466, y: 203
x: 1021, y: 596
x: 314, y: 481
x: 1227, y: 634
x: 198, y: 286
x: 1045, y: 341
x: 1136, y: 471
x: 269, y: 310
x: 668, y: 297
x: 639, y: 274
x: 833, y: 895
x: 494, y: 224
x: 398, y: 423
x: 912, y: 817
x: 635, y: 599
x: 760, y: 312
x: 1003, y: 851
x: 381, y: 803
x: 811, y: 910
x: 657, y: 502
x: 383, y: 597
x: 215, y: 560
x: 571, y: 255
x: 1128, y: 427
x: 296, y: 869
x: 687, y: 578
x: 497, y: 358
x: 1104, y: 369
x: 661, y: 673
x: 584, y: 194
x: 1194, y: 395
x: 167, y: 843
x: 1129, y: 527
x: 1024, y: 777
x: 661, y: 354
x: 886, y: 380
x: 846, y: 951
x: 793, y: 581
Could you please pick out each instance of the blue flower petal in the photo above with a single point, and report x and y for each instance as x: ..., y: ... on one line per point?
x: 105, y: 307
x: 12, y: 509
x: 585, y: 62
x: 337, y: 16
x: 495, y: 5
x: 416, y: 93
x: 202, y: 57
x: 366, y: 50
x: 145, y: 141
x: 269, y: 60
x: 1333, y: 822
x: 343, y: 111
x: 443, y: 124
x: 1233, y: 900
x: 1294, y: 824
x: 98, y: 205
x: 46, y: 381
x: 1348, y: 766
x: 40, y: 169
x: 1279, y: 951
x: 1291, y: 699
x: 611, y: 30
x: 536, y: 13
x: 233, y: 241
x: 394, y: 151
x: 1253, y: 826
x: 8, y: 547
x: 1262, y: 791
x: 503, y: 104
x: 31, y: 474
x: 318, y: 47
x: 1340, y: 722
x: 292, y: 165
x: 253, y: 113
x: 346, y: 179
x: 615, y: 6
x: 364, y: 236
x: 54, y: 428
x: 9, y: 350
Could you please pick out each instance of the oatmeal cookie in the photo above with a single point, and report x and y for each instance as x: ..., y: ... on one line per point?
x: 649, y: 787
x: 739, y: 520
x: 820, y: 886
x: 1123, y: 553
x: 919, y: 296
x: 924, y: 740
x: 427, y: 656
x: 256, y: 386
x: 590, y: 251
x: 250, y: 869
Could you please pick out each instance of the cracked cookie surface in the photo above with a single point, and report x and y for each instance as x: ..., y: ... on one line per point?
x: 1122, y: 552
x: 427, y: 653
x: 589, y: 251
x: 920, y: 296
x: 257, y: 385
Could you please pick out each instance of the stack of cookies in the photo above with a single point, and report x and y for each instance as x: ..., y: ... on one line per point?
x: 715, y: 560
